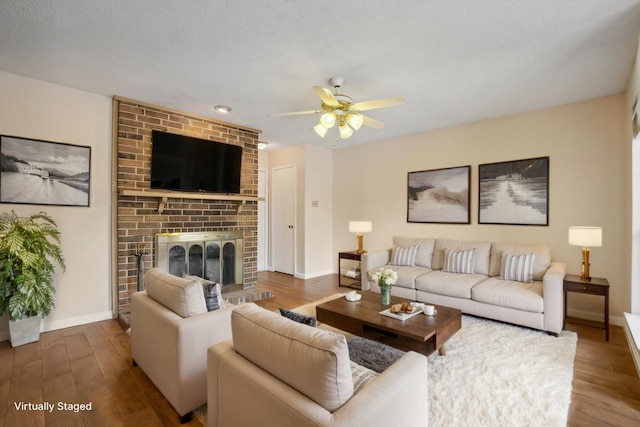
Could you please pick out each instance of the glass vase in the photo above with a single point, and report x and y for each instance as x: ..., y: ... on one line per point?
x: 386, y: 295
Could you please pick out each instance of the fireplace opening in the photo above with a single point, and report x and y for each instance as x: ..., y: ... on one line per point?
x: 215, y: 256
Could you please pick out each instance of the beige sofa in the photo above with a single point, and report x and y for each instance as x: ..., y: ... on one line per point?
x: 483, y: 291
x: 170, y: 333
x: 277, y: 372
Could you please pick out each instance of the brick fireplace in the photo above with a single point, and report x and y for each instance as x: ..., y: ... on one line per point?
x: 140, y: 214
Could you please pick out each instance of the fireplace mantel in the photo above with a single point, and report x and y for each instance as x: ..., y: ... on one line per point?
x: 165, y: 195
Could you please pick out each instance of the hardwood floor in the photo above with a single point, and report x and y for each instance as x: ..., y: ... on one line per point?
x: 92, y: 364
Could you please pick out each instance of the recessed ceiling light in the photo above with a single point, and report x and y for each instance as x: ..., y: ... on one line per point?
x: 222, y: 109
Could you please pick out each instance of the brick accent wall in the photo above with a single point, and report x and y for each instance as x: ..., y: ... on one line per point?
x: 138, y: 219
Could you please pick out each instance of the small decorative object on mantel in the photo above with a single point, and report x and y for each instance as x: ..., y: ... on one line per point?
x: 385, y: 278
x: 29, y: 248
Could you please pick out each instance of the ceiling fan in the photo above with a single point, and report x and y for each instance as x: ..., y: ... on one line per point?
x: 340, y: 109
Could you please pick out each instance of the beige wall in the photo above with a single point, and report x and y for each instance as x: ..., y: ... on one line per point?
x: 590, y: 184
x: 319, y: 211
x: 39, y: 110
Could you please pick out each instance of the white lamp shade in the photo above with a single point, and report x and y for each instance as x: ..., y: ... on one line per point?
x: 328, y: 120
x: 585, y: 236
x: 355, y: 120
x: 320, y: 130
x: 345, y: 131
x: 360, y: 226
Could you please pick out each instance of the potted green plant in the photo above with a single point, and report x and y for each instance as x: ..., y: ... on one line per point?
x: 29, y: 250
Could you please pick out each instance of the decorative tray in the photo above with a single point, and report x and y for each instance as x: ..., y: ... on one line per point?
x: 401, y: 316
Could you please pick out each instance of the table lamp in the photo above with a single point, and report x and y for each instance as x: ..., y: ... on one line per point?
x: 360, y: 227
x: 585, y: 237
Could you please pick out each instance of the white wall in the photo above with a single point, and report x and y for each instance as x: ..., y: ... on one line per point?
x: 39, y: 110
x: 319, y: 211
x: 590, y: 184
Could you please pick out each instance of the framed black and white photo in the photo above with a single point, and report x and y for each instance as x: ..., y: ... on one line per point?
x: 439, y: 196
x: 514, y: 192
x: 39, y: 172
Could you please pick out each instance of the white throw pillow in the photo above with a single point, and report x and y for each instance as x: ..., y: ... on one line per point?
x: 361, y: 376
x: 404, y: 256
x: 518, y: 268
x: 462, y: 262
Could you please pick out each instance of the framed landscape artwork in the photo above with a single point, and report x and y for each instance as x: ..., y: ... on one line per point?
x: 514, y: 192
x: 439, y: 196
x: 44, y: 173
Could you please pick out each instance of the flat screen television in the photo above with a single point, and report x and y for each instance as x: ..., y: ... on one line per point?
x: 184, y: 163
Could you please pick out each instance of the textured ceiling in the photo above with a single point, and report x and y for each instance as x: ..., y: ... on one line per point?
x: 455, y: 61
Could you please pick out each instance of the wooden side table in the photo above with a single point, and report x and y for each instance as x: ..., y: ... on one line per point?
x: 351, y: 282
x: 597, y: 286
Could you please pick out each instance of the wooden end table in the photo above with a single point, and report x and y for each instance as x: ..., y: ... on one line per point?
x: 595, y: 286
x: 420, y: 333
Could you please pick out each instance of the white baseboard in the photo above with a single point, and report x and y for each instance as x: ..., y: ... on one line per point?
x: 313, y: 275
x: 75, y: 321
x: 57, y: 324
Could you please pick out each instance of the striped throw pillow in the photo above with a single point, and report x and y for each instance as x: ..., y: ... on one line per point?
x: 518, y: 268
x: 404, y: 256
x: 459, y: 261
x: 361, y: 376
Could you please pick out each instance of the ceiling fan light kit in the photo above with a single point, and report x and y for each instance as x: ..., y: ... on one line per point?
x: 328, y: 120
x: 320, y: 130
x: 340, y: 108
x: 355, y: 120
x: 345, y: 130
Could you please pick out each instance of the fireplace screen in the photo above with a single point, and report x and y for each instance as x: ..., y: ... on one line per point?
x: 215, y: 256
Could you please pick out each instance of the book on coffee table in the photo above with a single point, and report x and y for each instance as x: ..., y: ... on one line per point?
x: 401, y: 316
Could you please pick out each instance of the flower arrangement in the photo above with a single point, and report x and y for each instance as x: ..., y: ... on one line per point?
x: 385, y: 278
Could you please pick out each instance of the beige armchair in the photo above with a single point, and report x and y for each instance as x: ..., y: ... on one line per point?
x: 170, y: 333
x: 277, y: 372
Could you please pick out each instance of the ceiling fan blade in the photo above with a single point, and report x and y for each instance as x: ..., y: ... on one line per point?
x: 378, y: 103
x: 326, y: 96
x: 296, y: 113
x: 372, y: 123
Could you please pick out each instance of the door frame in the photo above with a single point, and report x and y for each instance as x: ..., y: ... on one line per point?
x: 295, y: 218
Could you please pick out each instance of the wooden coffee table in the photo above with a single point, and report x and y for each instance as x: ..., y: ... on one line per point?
x: 420, y: 333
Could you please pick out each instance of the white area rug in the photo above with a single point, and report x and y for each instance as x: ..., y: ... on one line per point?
x: 496, y: 374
